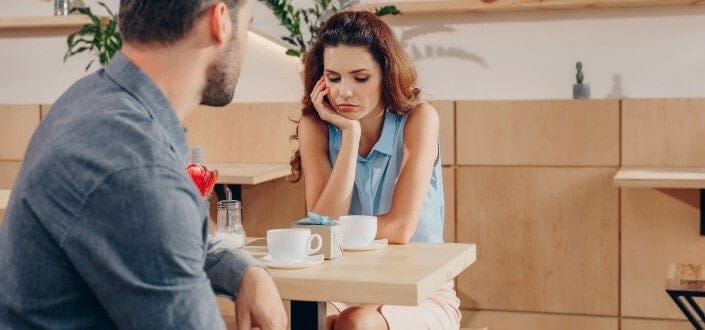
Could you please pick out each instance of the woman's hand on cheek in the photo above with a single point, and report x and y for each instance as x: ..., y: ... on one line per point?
x: 326, y: 111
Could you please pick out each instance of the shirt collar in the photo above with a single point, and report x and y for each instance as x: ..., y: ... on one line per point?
x: 141, y: 87
x: 387, y: 139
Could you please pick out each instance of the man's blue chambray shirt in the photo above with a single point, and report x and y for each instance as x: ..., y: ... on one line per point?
x: 104, y: 228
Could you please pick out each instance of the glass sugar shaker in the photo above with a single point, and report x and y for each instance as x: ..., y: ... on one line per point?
x: 229, y: 227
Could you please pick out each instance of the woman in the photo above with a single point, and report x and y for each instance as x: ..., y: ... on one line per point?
x: 367, y: 145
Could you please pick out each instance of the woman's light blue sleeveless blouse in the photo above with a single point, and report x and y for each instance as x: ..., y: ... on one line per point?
x: 376, y: 176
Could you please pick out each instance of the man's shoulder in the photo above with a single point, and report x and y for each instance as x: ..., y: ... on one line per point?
x: 95, y: 95
x: 94, y: 129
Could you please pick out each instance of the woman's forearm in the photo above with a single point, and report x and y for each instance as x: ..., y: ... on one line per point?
x: 335, y: 198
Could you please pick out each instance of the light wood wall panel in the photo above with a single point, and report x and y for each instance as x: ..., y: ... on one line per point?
x: 250, y: 132
x: 640, y: 324
x: 273, y: 204
x: 44, y: 110
x: 446, y: 114
x: 8, y: 173
x: 546, y: 133
x: 547, y: 239
x: 449, y: 198
x: 535, y: 321
x: 663, y: 132
x: 17, y: 124
x: 659, y: 227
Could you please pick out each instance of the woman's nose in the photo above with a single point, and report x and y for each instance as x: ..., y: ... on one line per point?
x: 346, y: 89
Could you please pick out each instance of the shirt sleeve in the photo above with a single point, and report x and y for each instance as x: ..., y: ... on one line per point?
x: 140, y: 245
x: 225, y: 267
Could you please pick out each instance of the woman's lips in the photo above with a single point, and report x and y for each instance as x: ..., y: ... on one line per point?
x: 346, y: 107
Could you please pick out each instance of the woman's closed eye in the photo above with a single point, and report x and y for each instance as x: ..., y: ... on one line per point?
x: 362, y: 79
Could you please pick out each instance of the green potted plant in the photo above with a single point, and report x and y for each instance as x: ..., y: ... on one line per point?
x: 580, y: 90
x: 100, y: 36
x: 303, y: 23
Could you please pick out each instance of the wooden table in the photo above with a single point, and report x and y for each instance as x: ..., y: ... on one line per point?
x: 682, y: 279
x: 665, y: 177
x: 661, y: 177
x: 396, y: 274
x: 268, y: 200
x: 249, y: 173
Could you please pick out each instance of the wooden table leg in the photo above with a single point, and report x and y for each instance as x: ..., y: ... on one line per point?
x: 308, y: 315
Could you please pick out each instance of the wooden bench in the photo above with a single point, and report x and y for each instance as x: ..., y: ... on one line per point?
x: 687, y: 281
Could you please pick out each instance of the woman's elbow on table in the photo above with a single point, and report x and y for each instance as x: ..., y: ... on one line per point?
x: 396, y: 229
x: 401, y: 235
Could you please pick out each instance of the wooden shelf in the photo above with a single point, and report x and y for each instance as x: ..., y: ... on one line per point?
x: 70, y: 22
x: 465, y: 6
x: 661, y: 177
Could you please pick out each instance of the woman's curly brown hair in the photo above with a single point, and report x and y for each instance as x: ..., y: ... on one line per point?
x: 360, y: 28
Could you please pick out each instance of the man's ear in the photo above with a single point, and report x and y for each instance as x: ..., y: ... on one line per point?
x: 220, y: 24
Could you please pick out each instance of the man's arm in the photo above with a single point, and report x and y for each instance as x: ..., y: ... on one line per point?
x: 139, y: 244
x: 258, y: 302
x: 225, y: 267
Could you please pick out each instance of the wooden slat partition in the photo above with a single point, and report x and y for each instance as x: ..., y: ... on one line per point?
x: 449, y: 198
x: 270, y: 205
x: 534, y: 191
x: 538, y: 133
x: 446, y: 114
x: 547, y: 239
x: 532, y: 185
x: 663, y: 132
x: 244, y: 132
x: 659, y: 227
x: 535, y: 321
x: 8, y: 173
x: 16, y: 128
x: 642, y: 324
x: 44, y: 110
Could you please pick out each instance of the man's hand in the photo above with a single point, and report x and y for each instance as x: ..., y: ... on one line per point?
x: 258, y: 303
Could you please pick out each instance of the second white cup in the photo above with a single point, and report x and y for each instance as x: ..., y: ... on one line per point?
x: 358, y: 230
x: 292, y: 245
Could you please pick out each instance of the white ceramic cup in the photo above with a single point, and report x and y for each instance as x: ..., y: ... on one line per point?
x: 358, y: 230
x: 291, y: 245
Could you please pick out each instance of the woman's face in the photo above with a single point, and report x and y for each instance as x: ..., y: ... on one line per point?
x: 354, y: 79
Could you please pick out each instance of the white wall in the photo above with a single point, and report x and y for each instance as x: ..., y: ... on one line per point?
x: 653, y: 52
x: 657, y: 52
x: 32, y: 69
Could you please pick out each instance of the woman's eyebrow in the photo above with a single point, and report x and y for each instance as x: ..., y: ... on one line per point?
x: 353, y: 71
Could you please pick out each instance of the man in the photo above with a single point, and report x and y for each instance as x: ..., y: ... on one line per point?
x: 104, y: 229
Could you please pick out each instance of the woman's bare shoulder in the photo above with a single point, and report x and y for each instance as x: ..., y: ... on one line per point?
x: 423, y: 115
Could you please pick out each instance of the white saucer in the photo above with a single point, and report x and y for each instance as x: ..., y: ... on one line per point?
x: 308, y: 262
x: 375, y: 245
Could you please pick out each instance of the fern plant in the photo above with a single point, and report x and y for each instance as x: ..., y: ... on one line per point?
x: 98, y: 36
x: 303, y: 23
